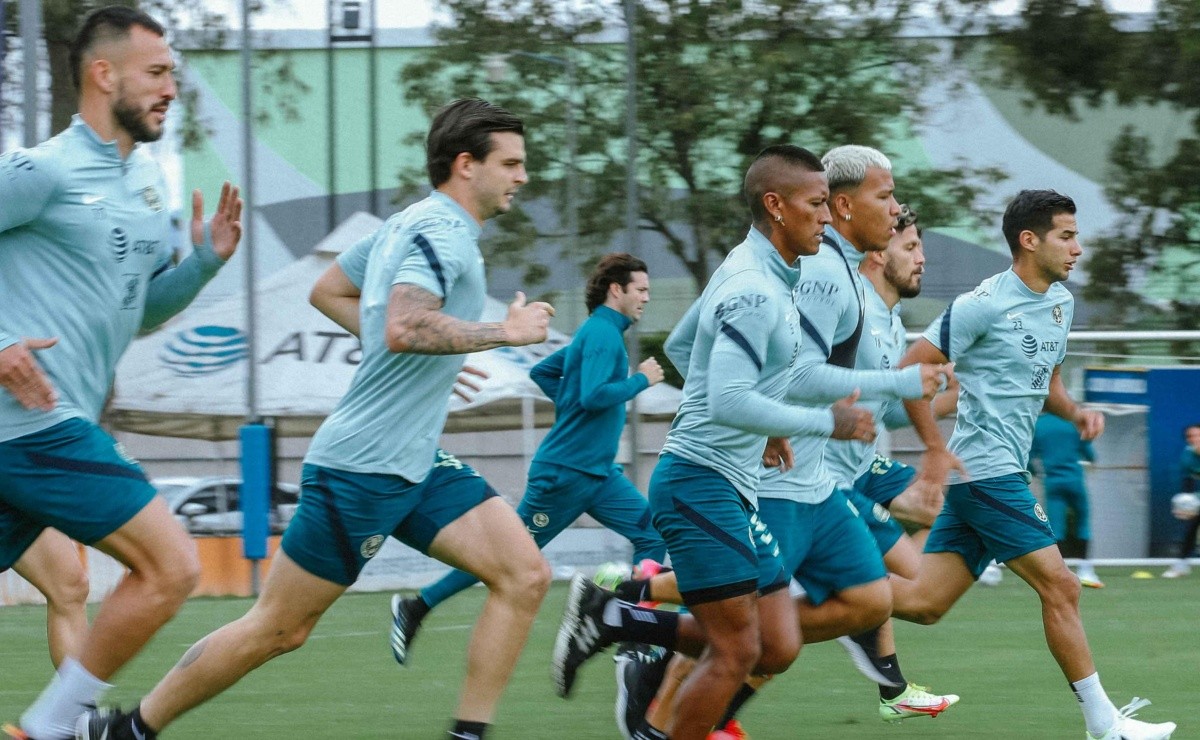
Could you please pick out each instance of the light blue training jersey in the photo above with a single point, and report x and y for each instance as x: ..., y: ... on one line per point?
x: 883, y: 344
x: 737, y: 349
x: 830, y: 298
x: 85, y: 256
x: 390, y: 419
x: 1005, y: 341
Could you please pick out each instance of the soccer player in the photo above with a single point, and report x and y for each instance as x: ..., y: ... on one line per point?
x: 1008, y: 340
x: 413, y: 292
x: 573, y: 471
x: 84, y: 266
x: 52, y: 566
x: 1189, y: 465
x: 741, y: 350
x: 1056, y: 442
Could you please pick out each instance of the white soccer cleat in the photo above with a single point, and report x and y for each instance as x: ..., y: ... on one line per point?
x: 916, y: 701
x: 1128, y: 728
x: 991, y: 575
x: 1089, y: 579
x: 1178, y: 569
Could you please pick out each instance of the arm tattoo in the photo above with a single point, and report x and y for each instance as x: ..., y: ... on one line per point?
x: 416, y: 324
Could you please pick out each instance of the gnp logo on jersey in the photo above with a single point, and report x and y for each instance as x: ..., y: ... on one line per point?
x: 1041, y: 378
x: 371, y: 545
x: 119, y: 241
x: 203, y: 350
x: 152, y: 198
x: 1029, y: 346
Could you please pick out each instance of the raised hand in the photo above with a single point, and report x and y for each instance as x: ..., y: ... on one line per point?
x: 225, y: 227
x: 852, y: 422
x: 527, y: 323
x: 23, y: 377
x: 651, y: 369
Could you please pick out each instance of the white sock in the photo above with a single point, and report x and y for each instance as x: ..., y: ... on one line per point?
x: 1098, y: 712
x: 71, y: 692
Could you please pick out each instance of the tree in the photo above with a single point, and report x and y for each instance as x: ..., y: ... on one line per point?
x: 717, y: 82
x: 1070, y: 54
x: 60, y: 22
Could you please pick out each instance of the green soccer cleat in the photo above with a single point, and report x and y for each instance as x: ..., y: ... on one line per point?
x: 916, y: 701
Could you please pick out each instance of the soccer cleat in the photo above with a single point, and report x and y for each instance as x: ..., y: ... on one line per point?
x: 1178, y: 569
x: 582, y: 632
x: 14, y: 732
x: 861, y: 653
x: 406, y: 620
x: 640, y: 671
x: 991, y: 575
x: 1128, y: 728
x: 916, y: 701
x: 105, y: 724
x: 608, y: 575
x: 732, y: 730
x: 1089, y: 579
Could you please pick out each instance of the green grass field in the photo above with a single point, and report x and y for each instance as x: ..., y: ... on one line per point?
x: 990, y: 650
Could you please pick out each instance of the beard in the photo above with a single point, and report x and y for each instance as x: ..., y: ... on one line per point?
x: 133, y: 120
x: 910, y: 288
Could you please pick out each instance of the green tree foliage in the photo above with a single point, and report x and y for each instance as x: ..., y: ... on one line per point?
x: 1068, y: 54
x: 717, y: 82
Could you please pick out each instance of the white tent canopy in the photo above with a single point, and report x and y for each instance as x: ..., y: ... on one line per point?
x: 189, y: 378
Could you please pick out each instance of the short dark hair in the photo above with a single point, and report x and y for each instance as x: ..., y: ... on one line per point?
x: 106, y: 24
x: 1033, y: 210
x: 612, y: 268
x: 763, y: 175
x: 464, y: 125
x: 908, y: 217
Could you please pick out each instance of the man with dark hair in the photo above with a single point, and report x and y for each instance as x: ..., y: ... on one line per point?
x: 737, y: 348
x: 1189, y: 469
x: 1008, y: 339
x: 413, y: 292
x: 85, y: 265
x: 573, y: 472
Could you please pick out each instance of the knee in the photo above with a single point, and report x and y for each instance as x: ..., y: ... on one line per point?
x: 68, y: 590
x: 778, y: 654
x: 174, y: 581
x: 737, y: 655
x: 1061, y: 590
x: 525, y: 581
x: 876, y: 612
x: 927, y: 613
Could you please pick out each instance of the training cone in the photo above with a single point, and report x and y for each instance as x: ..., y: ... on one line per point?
x: 1142, y: 574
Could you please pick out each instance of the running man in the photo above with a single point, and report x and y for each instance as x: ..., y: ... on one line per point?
x: 1008, y: 339
x: 413, y: 292
x: 573, y: 472
x: 741, y: 348
x: 85, y: 265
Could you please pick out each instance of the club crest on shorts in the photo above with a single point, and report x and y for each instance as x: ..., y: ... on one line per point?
x: 1040, y: 512
x: 540, y: 519
x: 371, y: 545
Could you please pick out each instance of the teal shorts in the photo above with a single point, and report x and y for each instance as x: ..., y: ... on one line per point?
x: 992, y: 519
x: 73, y: 477
x: 1064, y: 495
x: 718, y: 546
x: 344, y: 518
x: 884, y: 529
x: 556, y: 496
x: 826, y: 547
x: 884, y: 480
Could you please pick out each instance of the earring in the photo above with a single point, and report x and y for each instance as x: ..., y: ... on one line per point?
x: 847, y: 216
x: 779, y: 218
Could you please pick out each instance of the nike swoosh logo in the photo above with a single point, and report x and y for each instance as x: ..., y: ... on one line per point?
x: 90, y: 199
x: 1012, y: 316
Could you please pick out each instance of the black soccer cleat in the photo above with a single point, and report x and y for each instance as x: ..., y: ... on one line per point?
x: 640, y: 671
x: 105, y: 724
x: 406, y: 620
x: 582, y: 632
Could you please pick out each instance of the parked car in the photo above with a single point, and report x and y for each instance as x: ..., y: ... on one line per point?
x: 209, y: 506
